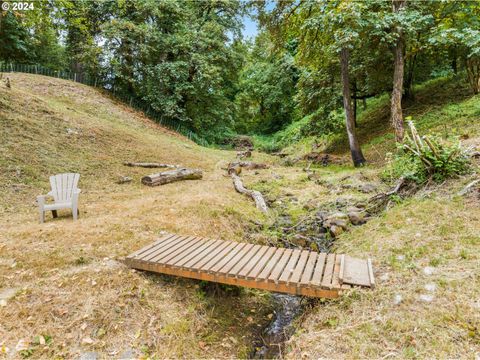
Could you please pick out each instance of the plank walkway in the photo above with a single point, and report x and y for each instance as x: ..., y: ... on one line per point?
x: 292, y: 271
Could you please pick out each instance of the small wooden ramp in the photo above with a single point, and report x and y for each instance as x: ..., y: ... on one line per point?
x: 292, y: 271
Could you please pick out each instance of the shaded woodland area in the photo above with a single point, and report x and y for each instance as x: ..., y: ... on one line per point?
x: 313, y: 63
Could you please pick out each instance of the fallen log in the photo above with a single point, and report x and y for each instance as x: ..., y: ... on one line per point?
x: 244, y: 154
x: 249, y: 165
x: 172, y: 176
x: 254, y: 194
x: 150, y: 165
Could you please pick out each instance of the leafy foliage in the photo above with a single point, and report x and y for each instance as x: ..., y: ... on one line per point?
x: 265, y: 100
x: 425, y: 158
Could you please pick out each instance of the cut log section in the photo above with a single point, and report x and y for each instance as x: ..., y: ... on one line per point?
x: 172, y: 176
x: 255, y: 195
x: 150, y: 165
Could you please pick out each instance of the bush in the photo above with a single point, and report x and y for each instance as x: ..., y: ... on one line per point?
x: 425, y: 158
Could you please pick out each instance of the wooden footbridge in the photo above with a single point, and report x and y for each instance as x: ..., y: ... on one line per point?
x: 293, y: 271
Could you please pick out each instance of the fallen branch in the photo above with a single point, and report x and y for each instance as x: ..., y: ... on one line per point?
x: 469, y: 187
x: 397, y: 187
x: 382, y: 201
x: 254, y: 194
x: 150, y: 165
x: 171, y: 176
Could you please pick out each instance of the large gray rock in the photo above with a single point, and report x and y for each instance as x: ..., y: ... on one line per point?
x: 300, y: 240
x: 336, y: 230
x: 336, y: 222
x: 356, y: 218
x: 367, y: 188
x: 338, y: 215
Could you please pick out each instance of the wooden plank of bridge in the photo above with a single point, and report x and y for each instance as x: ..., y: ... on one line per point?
x: 300, y: 272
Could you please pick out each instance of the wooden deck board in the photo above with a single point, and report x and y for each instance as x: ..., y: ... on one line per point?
x: 253, y: 261
x: 213, y: 253
x: 176, y: 249
x: 199, y: 243
x: 244, y: 260
x: 158, y: 247
x: 299, y: 272
x: 152, y: 245
x: 318, y: 271
x: 290, y: 267
x: 228, y: 257
x: 212, y: 244
x: 328, y: 271
x: 278, y: 269
x: 173, y: 242
x: 205, y: 244
x: 308, y: 272
x: 270, y: 265
x: 235, y: 259
x: 262, y: 263
x: 220, y: 256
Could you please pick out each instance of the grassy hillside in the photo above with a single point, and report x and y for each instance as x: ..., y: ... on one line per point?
x: 444, y: 106
x: 68, y: 285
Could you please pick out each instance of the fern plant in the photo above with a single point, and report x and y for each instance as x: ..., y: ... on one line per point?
x: 423, y: 158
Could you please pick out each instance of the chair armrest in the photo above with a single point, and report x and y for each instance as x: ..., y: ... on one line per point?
x: 77, y: 191
x: 41, y: 199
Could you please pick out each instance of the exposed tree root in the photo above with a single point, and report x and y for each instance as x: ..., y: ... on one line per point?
x: 260, y: 203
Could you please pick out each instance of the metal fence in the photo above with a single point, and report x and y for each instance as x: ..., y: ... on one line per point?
x: 96, y: 82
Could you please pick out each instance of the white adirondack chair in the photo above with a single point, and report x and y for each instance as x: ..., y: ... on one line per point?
x: 64, y: 192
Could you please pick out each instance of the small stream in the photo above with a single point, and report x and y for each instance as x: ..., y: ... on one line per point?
x: 272, y: 339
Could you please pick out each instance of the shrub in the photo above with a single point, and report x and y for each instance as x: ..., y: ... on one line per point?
x: 424, y: 158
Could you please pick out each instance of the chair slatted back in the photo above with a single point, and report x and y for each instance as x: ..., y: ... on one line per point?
x: 63, y: 186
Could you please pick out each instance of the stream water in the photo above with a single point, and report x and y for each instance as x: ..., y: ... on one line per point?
x: 271, y: 341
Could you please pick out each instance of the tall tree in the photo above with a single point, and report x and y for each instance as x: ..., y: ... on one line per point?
x: 355, y: 150
x: 15, y: 42
x: 325, y: 30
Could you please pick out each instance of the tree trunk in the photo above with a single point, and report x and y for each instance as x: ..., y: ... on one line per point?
x: 355, y: 104
x: 396, y: 101
x: 356, y: 151
x: 171, y: 176
x: 409, y: 93
x: 364, y: 103
x: 473, y: 73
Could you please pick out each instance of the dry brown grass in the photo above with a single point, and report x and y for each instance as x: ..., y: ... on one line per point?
x: 70, y: 285
x: 436, y: 232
